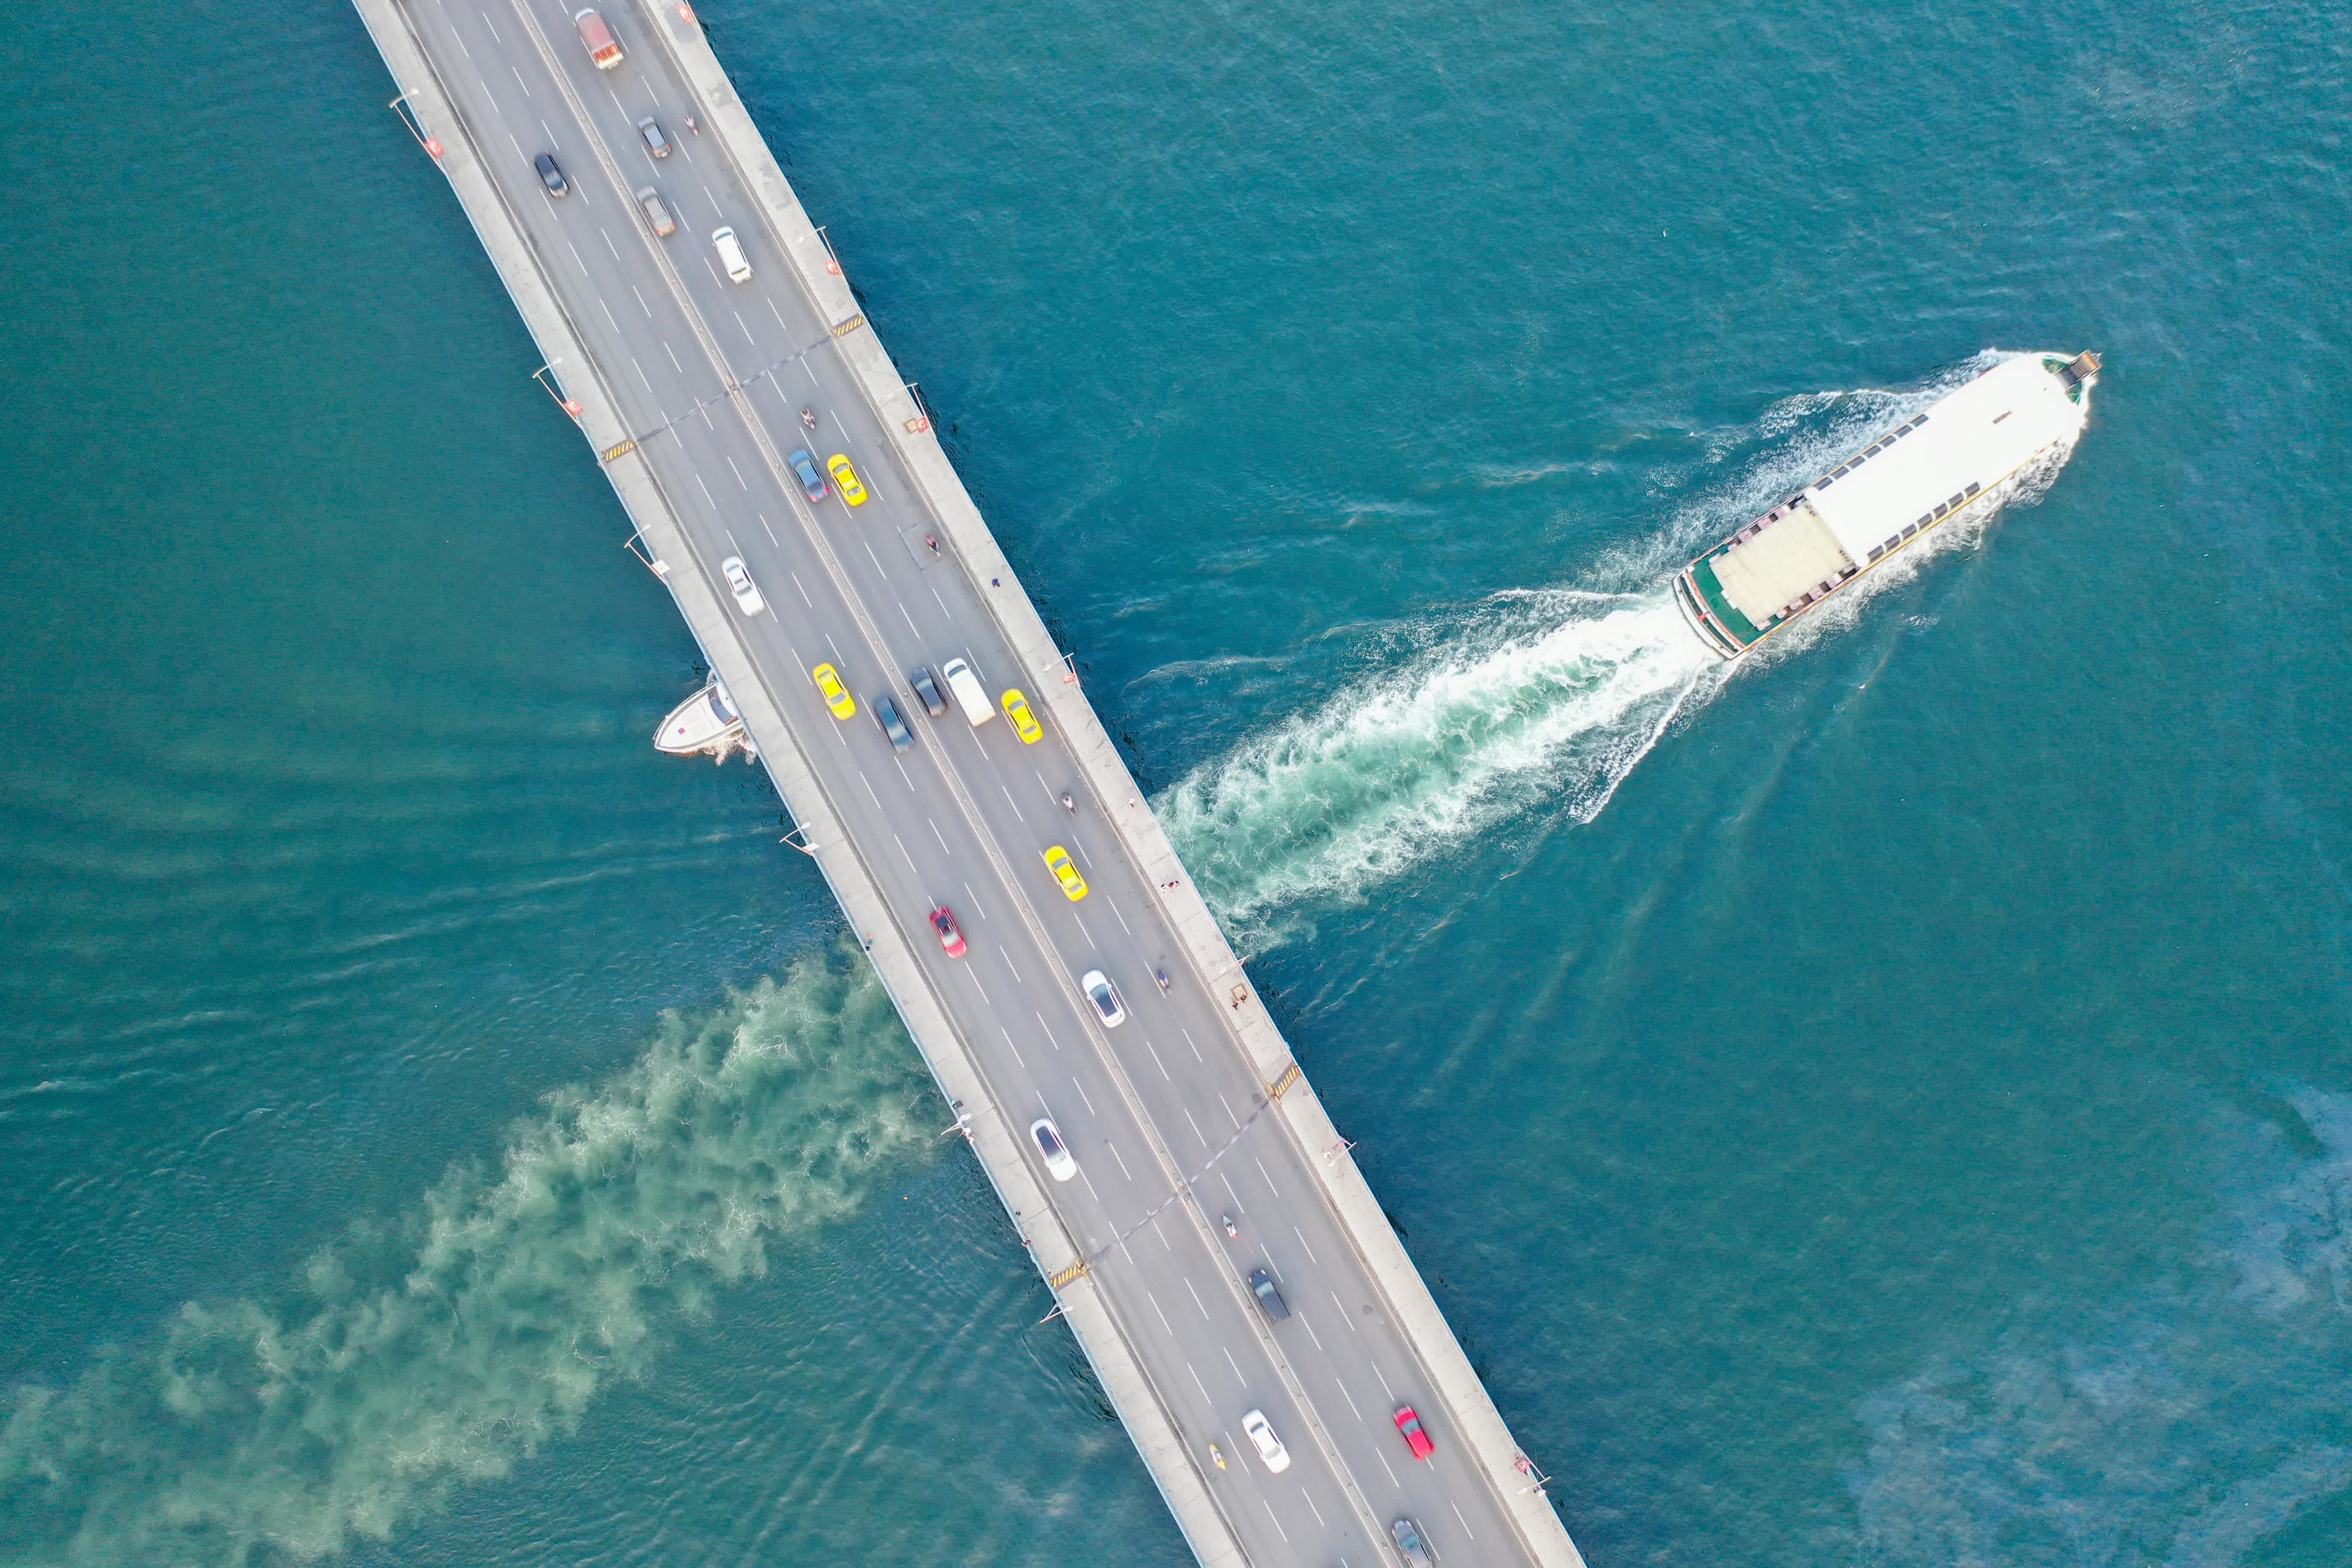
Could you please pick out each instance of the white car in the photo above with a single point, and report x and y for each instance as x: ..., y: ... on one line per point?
x: 1105, y: 996
x: 746, y: 594
x: 1059, y: 1163
x: 1270, y: 1447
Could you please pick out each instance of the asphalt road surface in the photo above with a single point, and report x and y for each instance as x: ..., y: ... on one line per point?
x: 964, y: 817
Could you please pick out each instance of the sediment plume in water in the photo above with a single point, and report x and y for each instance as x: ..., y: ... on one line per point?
x: 432, y: 1351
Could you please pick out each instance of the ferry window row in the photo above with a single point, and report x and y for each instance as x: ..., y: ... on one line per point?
x: 1943, y: 509
x: 1843, y: 469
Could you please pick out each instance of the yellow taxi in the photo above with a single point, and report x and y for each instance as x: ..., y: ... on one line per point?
x: 829, y: 687
x: 1017, y: 714
x: 1057, y: 860
x: 845, y: 477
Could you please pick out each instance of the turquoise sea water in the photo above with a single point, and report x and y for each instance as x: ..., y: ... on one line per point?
x: 1890, y: 1107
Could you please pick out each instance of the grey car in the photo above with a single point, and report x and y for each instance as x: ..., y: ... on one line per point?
x: 885, y: 714
x: 1260, y: 1284
x: 928, y: 690
x: 657, y: 216
x: 656, y: 142
x: 1409, y: 1541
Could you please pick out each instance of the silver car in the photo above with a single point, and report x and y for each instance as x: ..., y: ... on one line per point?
x: 657, y: 216
x: 1105, y: 996
x: 1409, y: 1541
x: 656, y: 142
x: 740, y: 582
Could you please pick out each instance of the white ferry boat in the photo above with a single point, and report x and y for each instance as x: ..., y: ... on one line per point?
x: 1923, y: 473
x: 705, y: 722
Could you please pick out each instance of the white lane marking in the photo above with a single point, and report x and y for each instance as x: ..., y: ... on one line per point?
x: 1196, y: 1128
x: 738, y: 474
x: 796, y: 582
x: 1014, y: 1048
x: 941, y: 838
x: 1228, y: 1105
x: 461, y: 44
x: 1310, y: 1251
x: 1318, y: 1345
x: 1163, y: 1317
x: 519, y: 153
x: 494, y: 32
x: 1344, y: 1316
x: 1263, y: 1172
x: 1237, y: 1369
x: 1122, y: 1166
x: 1122, y: 919
x: 878, y: 806
x: 1008, y: 800
x: 975, y: 900
x: 707, y: 425
x: 901, y: 844
x: 869, y: 552
x: 984, y: 997
x: 1089, y: 1180
x: 1187, y: 1040
x: 665, y: 348
x: 935, y: 593
x: 771, y: 533
x: 519, y: 83
x: 1277, y: 1520
x: 641, y: 376
x: 811, y: 375
x: 608, y: 242
x: 1457, y: 1514
x: 908, y: 619
x: 704, y: 489
x: 1082, y: 1095
x: 778, y: 314
x: 1049, y: 1034
x: 607, y: 309
x: 1198, y: 1384
x: 1384, y: 1382
x: 543, y: 125
x: 1312, y: 1508
x: 584, y: 269
x: 1233, y: 1192
x: 1196, y: 1302
x: 706, y: 191
x: 747, y: 331
x: 899, y: 762
x: 1383, y: 1459
x: 1161, y: 1231
x: 1155, y: 1058
x: 648, y: 310
x: 1017, y: 980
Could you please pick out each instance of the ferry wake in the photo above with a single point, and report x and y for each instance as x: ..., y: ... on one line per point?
x: 1913, y: 478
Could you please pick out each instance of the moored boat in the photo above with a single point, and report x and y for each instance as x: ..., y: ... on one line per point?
x: 705, y: 722
x: 1911, y: 479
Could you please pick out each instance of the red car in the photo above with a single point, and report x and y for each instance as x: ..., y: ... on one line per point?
x: 1414, y: 1437
x: 951, y: 938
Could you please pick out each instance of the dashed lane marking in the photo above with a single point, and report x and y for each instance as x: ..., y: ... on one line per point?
x: 648, y: 310
x: 1187, y: 1040
x: 1277, y: 1518
x: 1196, y: 1302
x: 1383, y: 1459
x: 1310, y: 1251
x: 1163, y: 1317
x: 902, y: 843
x: 1466, y: 1523
x: 1122, y: 1169
x: 519, y: 83
x: 608, y: 242
x: 1198, y: 1384
x: 1312, y: 1508
x: 1014, y: 1048
x: 739, y: 475
x: 1122, y: 919
x: 1082, y: 1095
x: 938, y: 834
x: 1196, y: 1128
x: 771, y: 533
x: 975, y: 900
x: 703, y: 488
x: 1156, y: 1061
x: 797, y: 584
x: 1237, y: 1369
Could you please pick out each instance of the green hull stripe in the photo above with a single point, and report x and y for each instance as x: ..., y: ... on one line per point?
x: 1711, y: 590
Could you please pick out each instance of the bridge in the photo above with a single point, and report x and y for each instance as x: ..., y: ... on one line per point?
x: 689, y: 385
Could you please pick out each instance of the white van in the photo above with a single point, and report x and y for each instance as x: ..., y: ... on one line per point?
x: 730, y: 254
x: 969, y: 693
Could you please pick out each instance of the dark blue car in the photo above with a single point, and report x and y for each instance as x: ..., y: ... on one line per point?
x: 810, y: 480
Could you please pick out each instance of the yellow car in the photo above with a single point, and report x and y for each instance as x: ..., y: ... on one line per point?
x: 829, y: 687
x: 1025, y: 723
x: 846, y: 478
x: 1057, y: 860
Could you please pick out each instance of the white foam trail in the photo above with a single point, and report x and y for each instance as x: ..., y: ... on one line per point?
x: 1544, y: 696
x: 415, y: 1358
x: 1549, y: 695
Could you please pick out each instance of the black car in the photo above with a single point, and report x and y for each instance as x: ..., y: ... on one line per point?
x: 885, y: 714
x: 1260, y: 1284
x: 928, y: 690
x: 551, y: 177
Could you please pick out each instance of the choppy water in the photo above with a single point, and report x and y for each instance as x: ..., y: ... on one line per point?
x: 1889, y: 1106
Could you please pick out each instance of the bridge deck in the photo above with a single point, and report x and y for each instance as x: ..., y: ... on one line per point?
x: 688, y: 388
